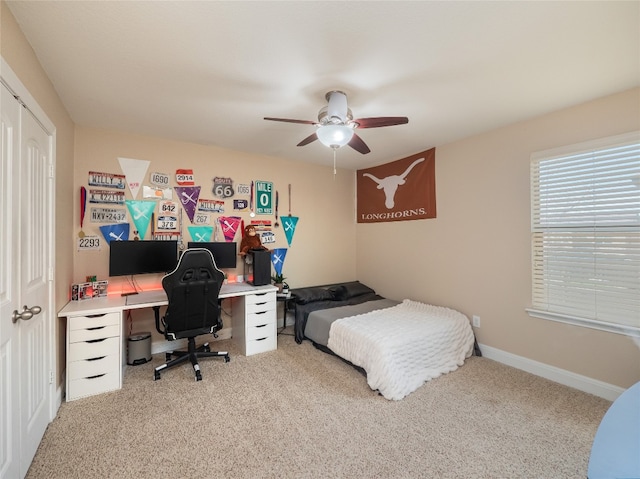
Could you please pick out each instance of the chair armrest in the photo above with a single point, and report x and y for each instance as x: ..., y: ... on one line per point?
x: 156, y: 313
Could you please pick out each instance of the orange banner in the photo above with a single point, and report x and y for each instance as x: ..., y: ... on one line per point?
x: 402, y: 190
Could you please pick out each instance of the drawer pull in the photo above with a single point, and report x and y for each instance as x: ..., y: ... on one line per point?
x: 260, y: 312
x: 95, y: 359
x: 260, y: 294
x: 261, y: 339
x: 95, y: 328
x: 96, y: 376
x: 261, y: 325
x: 96, y: 315
x: 96, y: 340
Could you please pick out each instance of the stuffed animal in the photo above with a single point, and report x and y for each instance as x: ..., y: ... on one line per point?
x: 250, y: 240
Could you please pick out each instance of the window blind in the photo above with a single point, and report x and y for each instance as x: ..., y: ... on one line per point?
x: 585, y: 211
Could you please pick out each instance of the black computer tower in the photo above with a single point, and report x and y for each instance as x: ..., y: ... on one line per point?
x: 261, y: 266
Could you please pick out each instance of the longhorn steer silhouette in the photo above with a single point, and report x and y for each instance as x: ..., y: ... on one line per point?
x: 390, y: 184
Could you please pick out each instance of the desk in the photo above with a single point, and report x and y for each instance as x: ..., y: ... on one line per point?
x: 96, y: 352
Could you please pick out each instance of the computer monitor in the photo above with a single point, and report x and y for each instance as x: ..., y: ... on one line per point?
x: 128, y: 258
x: 225, y: 254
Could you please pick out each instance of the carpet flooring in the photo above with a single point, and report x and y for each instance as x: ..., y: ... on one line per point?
x: 300, y: 413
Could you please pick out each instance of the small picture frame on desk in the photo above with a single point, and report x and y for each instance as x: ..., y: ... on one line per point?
x: 81, y: 291
x: 100, y: 288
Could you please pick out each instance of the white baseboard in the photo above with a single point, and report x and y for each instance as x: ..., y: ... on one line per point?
x: 562, y: 376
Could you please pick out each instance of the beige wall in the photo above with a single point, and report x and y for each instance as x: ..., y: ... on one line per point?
x: 17, y: 52
x: 475, y: 256
x: 323, y: 247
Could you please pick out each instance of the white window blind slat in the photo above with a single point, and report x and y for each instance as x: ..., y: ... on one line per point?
x: 585, y: 223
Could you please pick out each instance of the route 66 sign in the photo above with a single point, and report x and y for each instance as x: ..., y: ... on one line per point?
x: 222, y: 187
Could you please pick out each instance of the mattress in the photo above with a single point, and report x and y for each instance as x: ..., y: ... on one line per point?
x: 319, y: 322
x: 404, y: 346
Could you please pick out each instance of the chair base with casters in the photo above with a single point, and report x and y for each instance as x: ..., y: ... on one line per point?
x: 193, y: 308
x: 192, y: 354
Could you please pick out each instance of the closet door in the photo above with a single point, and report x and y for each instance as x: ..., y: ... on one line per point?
x: 9, y: 371
x: 26, y: 321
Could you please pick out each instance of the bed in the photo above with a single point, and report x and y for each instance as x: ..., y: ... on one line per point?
x: 398, y: 345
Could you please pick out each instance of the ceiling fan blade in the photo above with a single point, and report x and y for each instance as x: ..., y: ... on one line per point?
x: 357, y: 144
x: 381, y: 121
x: 288, y: 120
x: 337, y: 106
x: 307, y: 140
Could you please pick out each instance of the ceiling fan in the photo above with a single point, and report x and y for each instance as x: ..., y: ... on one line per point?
x: 336, y: 126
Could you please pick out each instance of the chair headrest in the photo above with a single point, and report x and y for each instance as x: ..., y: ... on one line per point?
x: 195, y: 264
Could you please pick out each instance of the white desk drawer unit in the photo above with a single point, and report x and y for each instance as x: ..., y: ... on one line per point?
x: 254, y: 323
x: 94, y: 348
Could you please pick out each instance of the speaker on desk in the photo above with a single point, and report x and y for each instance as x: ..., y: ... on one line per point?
x: 261, y: 265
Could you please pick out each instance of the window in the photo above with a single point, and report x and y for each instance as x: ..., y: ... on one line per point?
x: 585, y: 234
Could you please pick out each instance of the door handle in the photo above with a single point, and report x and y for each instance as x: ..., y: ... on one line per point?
x: 27, y: 313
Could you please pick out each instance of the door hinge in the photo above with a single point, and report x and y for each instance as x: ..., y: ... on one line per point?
x: 51, y: 171
x: 50, y: 377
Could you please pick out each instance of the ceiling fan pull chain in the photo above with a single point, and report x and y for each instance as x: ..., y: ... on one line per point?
x: 334, y: 162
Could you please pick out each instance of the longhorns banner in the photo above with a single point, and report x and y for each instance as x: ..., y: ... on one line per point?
x: 398, y: 191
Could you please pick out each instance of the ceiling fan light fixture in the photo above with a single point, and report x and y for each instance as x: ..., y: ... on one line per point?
x: 334, y: 136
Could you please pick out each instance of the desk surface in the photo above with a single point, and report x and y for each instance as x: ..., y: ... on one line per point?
x: 147, y: 299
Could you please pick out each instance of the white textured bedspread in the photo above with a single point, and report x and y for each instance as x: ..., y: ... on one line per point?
x: 403, y: 346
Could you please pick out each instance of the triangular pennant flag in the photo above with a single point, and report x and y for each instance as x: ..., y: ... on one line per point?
x: 141, y: 212
x: 118, y: 232
x: 134, y: 172
x: 188, y: 196
x: 277, y: 258
x: 200, y: 234
x: 229, y: 225
x: 289, y: 224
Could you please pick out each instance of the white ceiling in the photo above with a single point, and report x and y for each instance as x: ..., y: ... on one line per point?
x: 209, y: 71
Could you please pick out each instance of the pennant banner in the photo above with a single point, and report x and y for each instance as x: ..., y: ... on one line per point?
x: 134, y: 171
x: 189, y: 198
x: 289, y: 224
x: 229, y: 225
x: 141, y: 212
x: 119, y: 232
x: 200, y: 234
x: 277, y: 258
